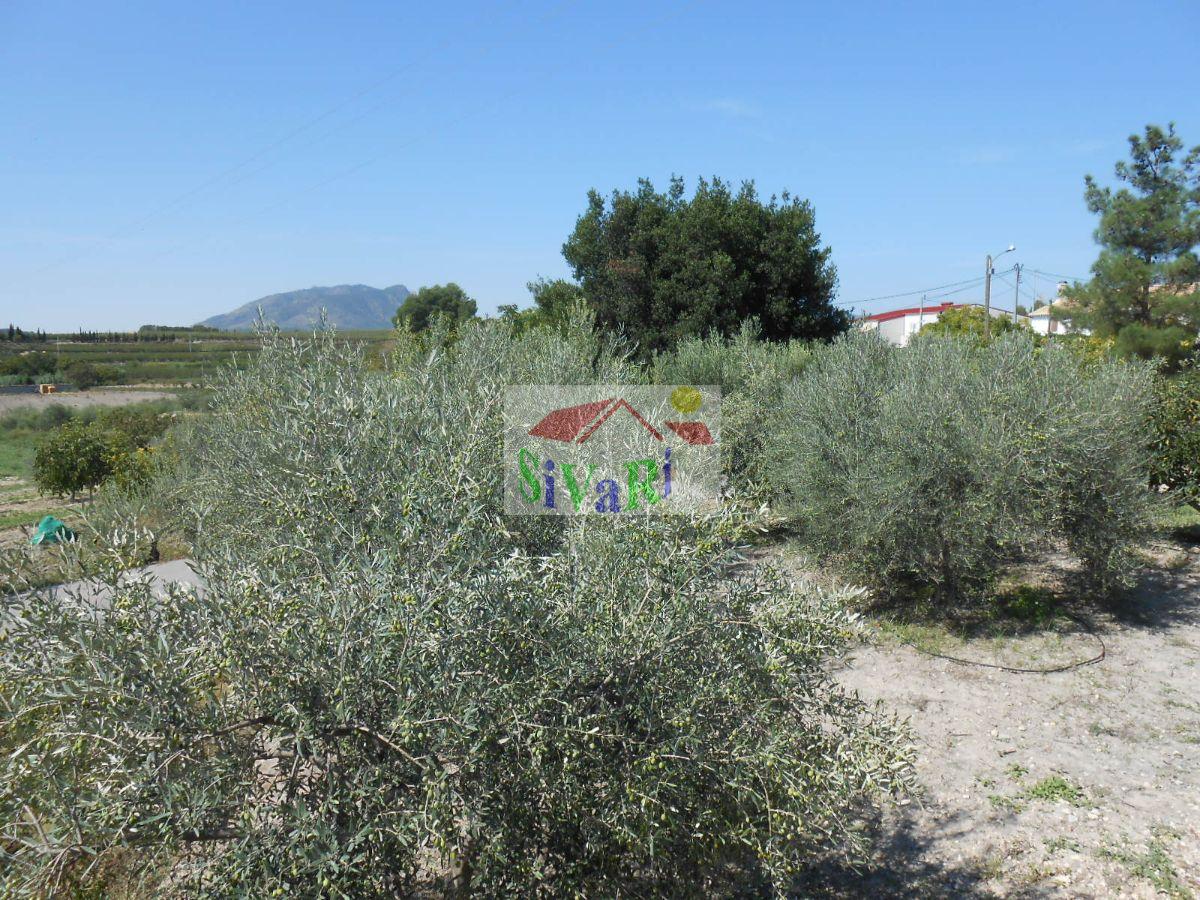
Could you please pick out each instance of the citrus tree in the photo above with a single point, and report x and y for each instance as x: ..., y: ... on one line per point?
x: 971, y: 322
x: 74, y: 457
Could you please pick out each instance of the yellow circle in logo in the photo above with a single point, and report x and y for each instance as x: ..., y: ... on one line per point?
x: 685, y: 399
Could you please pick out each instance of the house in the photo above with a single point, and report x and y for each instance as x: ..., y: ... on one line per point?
x: 899, y: 325
x: 1043, y: 321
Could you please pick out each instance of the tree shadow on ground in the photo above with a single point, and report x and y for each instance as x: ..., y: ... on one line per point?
x: 1163, y: 597
x: 1045, y: 595
x: 900, y: 865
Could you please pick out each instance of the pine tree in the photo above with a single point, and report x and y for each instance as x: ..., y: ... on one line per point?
x: 1143, y: 292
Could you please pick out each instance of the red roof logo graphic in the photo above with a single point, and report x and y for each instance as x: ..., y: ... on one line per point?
x: 695, y: 433
x: 575, y: 424
x: 578, y: 423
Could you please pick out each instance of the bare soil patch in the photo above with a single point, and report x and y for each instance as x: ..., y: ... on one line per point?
x: 1084, y: 783
x: 77, y: 399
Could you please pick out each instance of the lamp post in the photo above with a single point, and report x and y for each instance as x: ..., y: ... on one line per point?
x: 987, y: 291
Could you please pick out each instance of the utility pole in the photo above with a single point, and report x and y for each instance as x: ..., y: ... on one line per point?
x: 921, y: 318
x: 987, y: 300
x: 1017, y: 293
x: 987, y: 292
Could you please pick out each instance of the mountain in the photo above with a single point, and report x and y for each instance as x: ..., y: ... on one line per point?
x: 349, y: 306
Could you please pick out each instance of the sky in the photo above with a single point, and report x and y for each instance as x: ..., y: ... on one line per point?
x: 163, y: 162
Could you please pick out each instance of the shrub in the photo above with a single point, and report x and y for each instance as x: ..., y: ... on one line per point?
x: 131, y: 468
x: 1177, y: 435
x: 29, y: 363
x: 73, y: 458
x: 928, y: 468
x: 132, y: 426
x: 389, y: 685
x: 659, y: 267
x: 34, y: 419
x: 752, y: 375
x: 420, y: 310
x: 83, y: 375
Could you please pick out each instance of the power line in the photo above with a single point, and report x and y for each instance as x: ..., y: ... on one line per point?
x: 340, y: 128
x: 1020, y: 290
x: 978, y: 280
x: 947, y: 290
x: 1057, y: 276
x: 961, y: 290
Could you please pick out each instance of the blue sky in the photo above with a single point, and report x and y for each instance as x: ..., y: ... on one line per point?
x: 163, y: 162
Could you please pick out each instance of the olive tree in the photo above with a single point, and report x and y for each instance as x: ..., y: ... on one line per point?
x: 390, y: 687
x: 752, y: 374
x: 925, y: 469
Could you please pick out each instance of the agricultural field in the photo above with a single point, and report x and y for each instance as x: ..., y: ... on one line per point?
x: 176, y: 359
x: 26, y: 419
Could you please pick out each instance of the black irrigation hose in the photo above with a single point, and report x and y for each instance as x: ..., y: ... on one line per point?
x: 1078, y: 664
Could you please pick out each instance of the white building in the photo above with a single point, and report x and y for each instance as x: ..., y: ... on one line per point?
x: 1043, y: 321
x: 899, y: 325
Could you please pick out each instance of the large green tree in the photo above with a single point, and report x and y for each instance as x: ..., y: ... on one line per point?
x: 420, y: 309
x: 661, y: 266
x: 1142, y: 293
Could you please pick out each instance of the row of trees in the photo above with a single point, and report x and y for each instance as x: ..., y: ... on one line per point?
x: 16, y: 335
x: 154, y: 333
x: 389, y: 688
x: 36, y: 366
x: 658, y: 267
x: 81, y: 454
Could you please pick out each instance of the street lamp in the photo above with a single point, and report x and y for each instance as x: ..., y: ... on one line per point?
x: 987, y: 290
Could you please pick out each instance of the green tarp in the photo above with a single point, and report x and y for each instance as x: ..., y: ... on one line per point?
x: 51, y: 531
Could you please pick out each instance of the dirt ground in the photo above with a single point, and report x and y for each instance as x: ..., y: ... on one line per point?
x: 18, y: 496
x: 76, y: 399
x: 1083, y: 783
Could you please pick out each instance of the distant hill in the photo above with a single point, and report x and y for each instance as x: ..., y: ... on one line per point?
x: 349, y: 306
